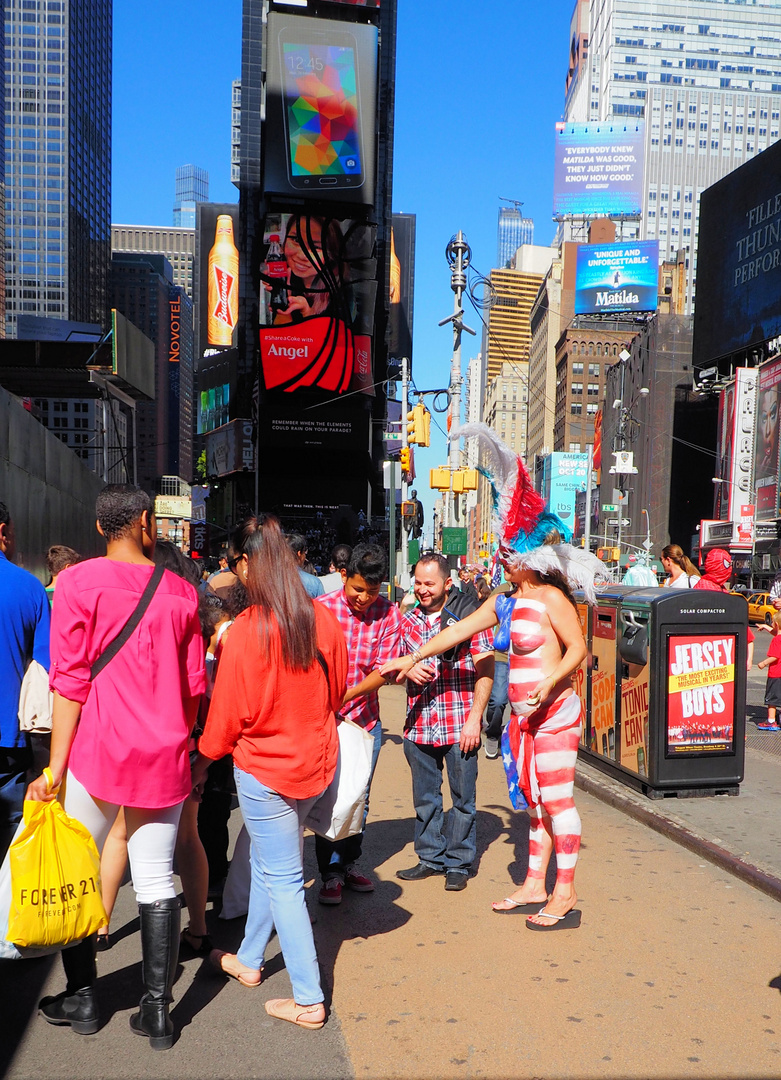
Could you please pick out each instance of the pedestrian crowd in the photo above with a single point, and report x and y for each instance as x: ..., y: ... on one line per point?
x: 171, y: 693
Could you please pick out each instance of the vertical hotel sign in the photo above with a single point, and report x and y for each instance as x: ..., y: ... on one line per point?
x: 742, y: 432
x: 174, y: 349
x: 700, y: 693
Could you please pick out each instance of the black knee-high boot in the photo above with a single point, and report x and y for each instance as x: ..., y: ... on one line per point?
x: 159, y: 954
x: 76, y: 1005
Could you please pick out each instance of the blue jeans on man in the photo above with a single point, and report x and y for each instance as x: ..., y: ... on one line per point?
x: 335, y: 857
x: 14, y: 764
x: 451, y: 846
x: 497, y: 702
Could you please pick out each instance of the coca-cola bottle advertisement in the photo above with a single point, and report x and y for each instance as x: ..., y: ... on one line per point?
x: 318, y: 285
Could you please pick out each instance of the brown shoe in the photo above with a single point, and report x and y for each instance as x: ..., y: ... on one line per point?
x: 300, y: 1015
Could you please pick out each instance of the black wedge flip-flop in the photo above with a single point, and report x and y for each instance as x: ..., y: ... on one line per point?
x: 519, y: 908
x: 570, y: 921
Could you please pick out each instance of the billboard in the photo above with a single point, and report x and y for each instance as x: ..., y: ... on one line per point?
x: 700, y: 694
x: 317, y: 305
x: 321, y: 105
x: 230, y: 448
x: 738, y: 407
x: 402, y: 285
x: 617, y: 277
x: 598, y: 169
x: 213, y: 408
x: 739, y: 260
x: 766, y: 445
x: 218, y: 275
x: 565, y: 475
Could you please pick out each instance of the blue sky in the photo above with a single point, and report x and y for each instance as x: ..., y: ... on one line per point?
x: 479, y: 87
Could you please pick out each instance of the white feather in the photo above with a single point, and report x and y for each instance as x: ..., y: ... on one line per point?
x: 503, y: 467
x: 581, y: 569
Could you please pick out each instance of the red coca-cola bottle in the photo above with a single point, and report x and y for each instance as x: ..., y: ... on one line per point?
x: 276, y: 269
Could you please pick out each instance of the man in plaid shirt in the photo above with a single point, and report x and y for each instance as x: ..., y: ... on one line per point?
x: 371, y: 628
x: 446, y: 696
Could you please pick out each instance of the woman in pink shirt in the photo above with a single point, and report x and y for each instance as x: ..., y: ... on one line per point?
x: 121, y: 739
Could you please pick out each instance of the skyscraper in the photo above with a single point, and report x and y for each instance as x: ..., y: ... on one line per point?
x: 705, y: 77
x: 58, y: 159
x: 513, y: 230
x: 192, y: 186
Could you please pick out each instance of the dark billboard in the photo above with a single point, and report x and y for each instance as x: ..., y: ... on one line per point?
x: 598, y: 168
x: 218, y: 275
x: 317, y: 305
x: 402, y: 285
x: 739, y: 260
x: 320, y: 130
x: 766, y: 461
x: 617, y: 277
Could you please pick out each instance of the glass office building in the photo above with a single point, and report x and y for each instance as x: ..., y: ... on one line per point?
x: 58, y: 159
x: 192, y: 187
x: 513, y: 231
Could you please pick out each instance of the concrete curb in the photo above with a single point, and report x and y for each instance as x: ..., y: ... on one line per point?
x: 593, y: 783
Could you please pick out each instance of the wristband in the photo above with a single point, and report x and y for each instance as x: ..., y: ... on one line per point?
x: 416, y: 657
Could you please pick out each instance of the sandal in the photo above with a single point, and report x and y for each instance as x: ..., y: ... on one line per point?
x: 189, y: 939
x: 287, y: 1009
x: 228, y: 964
x: 569, y: 921
x: 518, y: 907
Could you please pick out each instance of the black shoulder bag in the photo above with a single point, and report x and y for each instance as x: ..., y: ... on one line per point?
x: 123, y: 636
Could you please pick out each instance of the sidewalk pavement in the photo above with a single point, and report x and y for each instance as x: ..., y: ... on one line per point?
x: 674, y: 973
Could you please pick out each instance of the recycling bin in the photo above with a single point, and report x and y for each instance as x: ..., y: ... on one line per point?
x: 664, y: 689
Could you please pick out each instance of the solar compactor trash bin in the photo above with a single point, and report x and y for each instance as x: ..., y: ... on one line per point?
x: 664, y: 688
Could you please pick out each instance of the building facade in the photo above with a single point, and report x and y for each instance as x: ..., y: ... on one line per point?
x: 192, y: 187
x: 95, y: 429
x: 513, y: 230
x: 513, y: 291
x: 58, y: 159
x: 176, y: 244
x: 706, y: 79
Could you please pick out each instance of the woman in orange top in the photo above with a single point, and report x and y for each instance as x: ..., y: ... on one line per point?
x: 282, y: 677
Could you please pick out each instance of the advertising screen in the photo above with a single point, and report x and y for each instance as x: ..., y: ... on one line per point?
x: 317, y: 308
x: 213, y: 408
x: 700, y: 693
x: 567, y: 477
x: 766, y: 446
x: 617, y: 277
x: 320, y: 108
x: 218, y: 275
x: 598, y: 169
x: 739, y: 260
x: 738, y: 406
x: 402, y: 285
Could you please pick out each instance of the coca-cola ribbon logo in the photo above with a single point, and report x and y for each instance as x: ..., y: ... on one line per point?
x: 225, y: 282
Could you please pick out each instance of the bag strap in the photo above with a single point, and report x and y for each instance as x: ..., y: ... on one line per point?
x: 321, y: 661
x: 137, y: 615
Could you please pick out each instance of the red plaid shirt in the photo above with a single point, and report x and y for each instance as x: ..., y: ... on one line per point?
x: 437, y: 711
x: 372, y: 639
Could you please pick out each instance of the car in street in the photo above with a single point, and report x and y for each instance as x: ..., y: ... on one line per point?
x: 759, y: 607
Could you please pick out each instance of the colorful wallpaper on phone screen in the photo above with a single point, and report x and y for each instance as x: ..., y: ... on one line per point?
x: 322, y: 107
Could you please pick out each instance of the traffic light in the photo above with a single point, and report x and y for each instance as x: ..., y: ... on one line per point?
x: 425, y: 416
x: 419, y: 425
x: 404, y: 459
x: 412, y: 423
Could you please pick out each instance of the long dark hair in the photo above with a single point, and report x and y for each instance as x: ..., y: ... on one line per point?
x: 275, y: 590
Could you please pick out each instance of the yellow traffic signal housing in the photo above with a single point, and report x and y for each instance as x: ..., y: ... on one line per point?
x: 439, y: 479
x: 412, y: 425
x: 408, y: 509
x: 458, y: 481
x: 425, y: 426
x: 404, y: 458
x: 470, y: 479
x: 419, y: 425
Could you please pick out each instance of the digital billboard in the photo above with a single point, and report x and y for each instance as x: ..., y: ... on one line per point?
x: 318, y: 278
x: 739, y: 260
x: 564, y: 476
x: 700, y: 694
x: 218, y: 275
x: 617, y: 277
x: 766, y: 446
x: 320, y: 109
x: 737, y: 416
x: 402, y: 285
x: 598, y: 169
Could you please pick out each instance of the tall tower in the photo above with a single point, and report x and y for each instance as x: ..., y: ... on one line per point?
x: 58, y: 159
x: 512, y: 231
x: 192, y: 187
x: 705, y: 77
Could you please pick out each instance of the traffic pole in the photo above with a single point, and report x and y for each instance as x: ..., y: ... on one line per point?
x: 404, y: 554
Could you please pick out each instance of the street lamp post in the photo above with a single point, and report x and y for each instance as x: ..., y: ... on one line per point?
x: 753, y: 494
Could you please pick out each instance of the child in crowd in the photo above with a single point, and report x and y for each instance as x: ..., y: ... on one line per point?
x: 773, y: 689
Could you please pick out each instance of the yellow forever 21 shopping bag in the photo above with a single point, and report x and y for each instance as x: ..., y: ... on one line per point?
x: 55, y: 878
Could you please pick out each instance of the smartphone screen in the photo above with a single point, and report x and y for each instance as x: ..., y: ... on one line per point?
x: 321, y: 112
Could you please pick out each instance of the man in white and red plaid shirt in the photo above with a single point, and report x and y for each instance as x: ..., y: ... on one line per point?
x: 446, y: 696
x: 371, y: 627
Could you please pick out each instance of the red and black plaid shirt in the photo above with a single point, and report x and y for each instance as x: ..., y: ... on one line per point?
x: 372, y: 640
x: 437, y: 711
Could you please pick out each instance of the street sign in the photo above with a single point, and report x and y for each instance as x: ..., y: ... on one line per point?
x: 647, y: 545
x: 614, y: 522
x: 392, y: 436
x: 609, y: 508
x: 454, y: 541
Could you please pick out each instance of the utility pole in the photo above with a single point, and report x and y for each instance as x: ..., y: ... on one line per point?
x: 459, y: 255
x: 404, y: 559
x: 392, y: 532
x: 587, y: 529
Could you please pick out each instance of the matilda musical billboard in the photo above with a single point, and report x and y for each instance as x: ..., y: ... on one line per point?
x: 317, y: 305
x: 617, y: 277
x: 598, y: 168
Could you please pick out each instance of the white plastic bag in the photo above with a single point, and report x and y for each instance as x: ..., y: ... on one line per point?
x: 338, y: 812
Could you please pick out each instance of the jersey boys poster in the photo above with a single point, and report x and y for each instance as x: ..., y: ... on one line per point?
x: 318, y: 279
x: 701, y: 693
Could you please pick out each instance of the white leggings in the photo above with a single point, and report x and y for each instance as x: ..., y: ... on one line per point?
x: 151, y: 838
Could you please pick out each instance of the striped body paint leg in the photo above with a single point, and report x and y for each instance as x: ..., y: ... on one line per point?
x: 555, y: 754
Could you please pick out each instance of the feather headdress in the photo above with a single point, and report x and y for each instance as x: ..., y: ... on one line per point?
x: 524, y: 524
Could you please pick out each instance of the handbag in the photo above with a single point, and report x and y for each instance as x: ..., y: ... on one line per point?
x: 55, y: 878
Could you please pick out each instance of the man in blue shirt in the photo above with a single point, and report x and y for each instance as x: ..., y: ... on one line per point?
x: 312, y: 584
x: 24, y: 636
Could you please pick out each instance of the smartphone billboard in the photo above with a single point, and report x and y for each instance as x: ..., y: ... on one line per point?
x: 598, y: 169
x: 617, y: 277
x: 320, y: 109
x: 402, y: 285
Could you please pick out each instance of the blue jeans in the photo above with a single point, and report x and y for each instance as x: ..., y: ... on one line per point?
x: 497, y: 702
x: 335, y: 856
x: 453, y: 847
x: 277, y: 896
x: 14, y: 763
